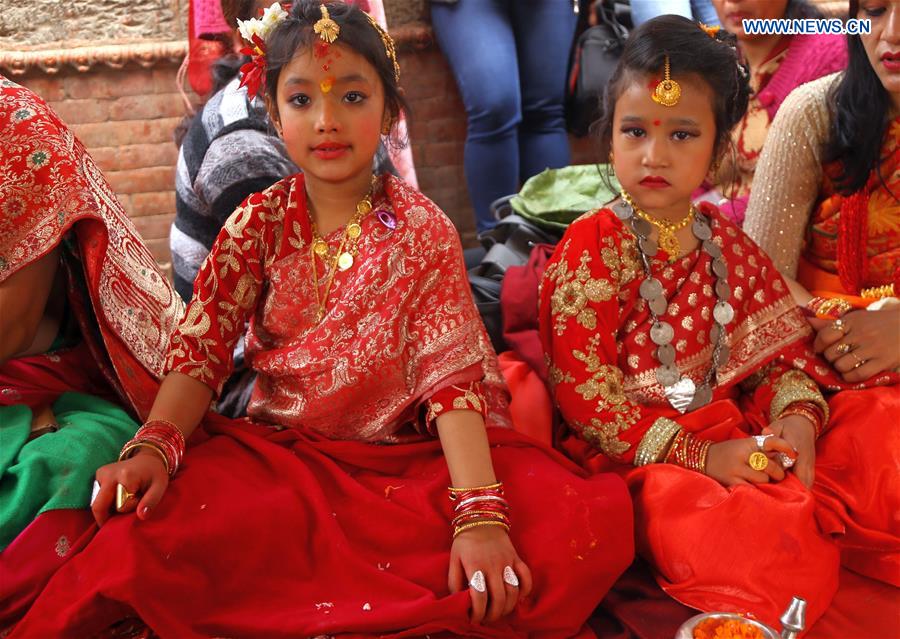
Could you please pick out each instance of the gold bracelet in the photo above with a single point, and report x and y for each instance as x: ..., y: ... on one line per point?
x: 141, y: 444
x: 475, y: 524
x: 499, y: 484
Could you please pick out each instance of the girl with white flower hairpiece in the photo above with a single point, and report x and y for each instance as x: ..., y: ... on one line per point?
x: 361, y: 495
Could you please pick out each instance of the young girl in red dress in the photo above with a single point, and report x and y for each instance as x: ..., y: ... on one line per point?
x: 678, y: 358
x: 327, y: 511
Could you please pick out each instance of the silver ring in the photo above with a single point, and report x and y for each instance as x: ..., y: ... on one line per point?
x: 761, y: 440
x: 510, y: 578
x: 785, y: 460
x: 477, y: 582
x: 94, y: 491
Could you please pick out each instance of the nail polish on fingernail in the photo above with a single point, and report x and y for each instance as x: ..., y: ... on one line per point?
x: 145, y: 511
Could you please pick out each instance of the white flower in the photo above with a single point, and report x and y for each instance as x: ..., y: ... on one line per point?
x: 262, y: 26
x: 272, y: 16
x: 249, y: 28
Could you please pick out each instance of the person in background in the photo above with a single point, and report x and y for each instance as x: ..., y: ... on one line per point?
x: 778, y: 64
x: 827, y: 202
x: 85, y: 318
x: 700, y: 10
x: 510, y: 59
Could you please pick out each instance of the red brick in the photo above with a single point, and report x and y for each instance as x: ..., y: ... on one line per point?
x: 153, y: 227
x: 448, y: 129
x: 109, y: 83
x: 158, y: 178
x: 127, y: 132
x: 147, y: 107
x: 159, y: 248
x: 443, y: 153
x: 82, y: 111
x: 135, y: 156
x: 155, y: 203
x: 47, y: 87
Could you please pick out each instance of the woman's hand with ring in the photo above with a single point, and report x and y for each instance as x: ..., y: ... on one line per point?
x: 483, y: 558
x: 728, y: 462
x: 869, y: 343
x: 800, y: 433
x: 143, y: 476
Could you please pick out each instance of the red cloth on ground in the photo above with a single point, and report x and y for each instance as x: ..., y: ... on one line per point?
x: 530, y: 406
x: 369, y: 547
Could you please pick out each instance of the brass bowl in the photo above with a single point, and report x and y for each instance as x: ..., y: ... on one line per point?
x: 686, y: 631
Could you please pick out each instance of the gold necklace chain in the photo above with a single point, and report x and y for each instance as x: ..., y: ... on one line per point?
x: 667, y: 241
x: 341, y: 259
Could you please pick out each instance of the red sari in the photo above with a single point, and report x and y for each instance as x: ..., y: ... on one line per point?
x: 748, y: 548
x: 53, y: 195
x: 326, y: 511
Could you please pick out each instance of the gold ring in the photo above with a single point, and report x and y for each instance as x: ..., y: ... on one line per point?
x: 859, y: 361
x: 839, y: 325
x: 758, y: 461
x: 843, y: 348
x: 124, y: 498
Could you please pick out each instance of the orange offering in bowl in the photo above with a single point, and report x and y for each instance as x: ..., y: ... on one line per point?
x: 726, y: 629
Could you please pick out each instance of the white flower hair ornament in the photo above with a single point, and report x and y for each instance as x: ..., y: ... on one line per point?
x: 255, y: 32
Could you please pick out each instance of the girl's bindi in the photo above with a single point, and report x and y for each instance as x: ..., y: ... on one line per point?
x: 327, y: 84
x: 657, y: 122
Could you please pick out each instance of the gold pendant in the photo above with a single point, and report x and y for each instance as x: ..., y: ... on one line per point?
x: 320, y: 247
x: 364, y: 206
x: 669, y: 243
x: 345, y: 261
x: 354, y: 231
x: 667, y: 93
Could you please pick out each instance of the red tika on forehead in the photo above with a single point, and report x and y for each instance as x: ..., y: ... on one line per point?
x: 320, y: 49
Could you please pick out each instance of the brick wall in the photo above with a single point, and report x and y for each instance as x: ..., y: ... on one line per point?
x: 127, y: 118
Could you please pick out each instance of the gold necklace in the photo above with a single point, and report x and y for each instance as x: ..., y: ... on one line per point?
x: 341, y: 259
x: 667, y: 241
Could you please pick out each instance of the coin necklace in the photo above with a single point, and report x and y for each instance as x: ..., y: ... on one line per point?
x: 342, y: 259
x: 668, y: 241
x: 679, y: 389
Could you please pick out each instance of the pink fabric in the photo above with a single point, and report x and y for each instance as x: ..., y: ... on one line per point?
x: 809, y: 57
x: 208, y: 18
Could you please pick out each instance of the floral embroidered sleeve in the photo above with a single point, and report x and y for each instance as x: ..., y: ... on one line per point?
x: 225, y: 294
x: 456, y: 397
x: 579, y: 313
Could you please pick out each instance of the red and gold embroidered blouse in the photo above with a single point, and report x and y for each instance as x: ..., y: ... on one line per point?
x: 400, y: 327
x: 595, y: 331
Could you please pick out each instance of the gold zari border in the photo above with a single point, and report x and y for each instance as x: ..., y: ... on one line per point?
x: 655, y: 441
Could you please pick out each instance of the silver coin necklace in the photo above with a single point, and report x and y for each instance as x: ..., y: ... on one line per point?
x: 681, y: 391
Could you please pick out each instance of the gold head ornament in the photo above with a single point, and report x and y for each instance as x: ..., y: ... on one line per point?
x: 325, y: 27
x: 389, y: 47
x: 667, y: 92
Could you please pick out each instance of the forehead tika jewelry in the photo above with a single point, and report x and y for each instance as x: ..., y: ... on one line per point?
x: 667, y: 92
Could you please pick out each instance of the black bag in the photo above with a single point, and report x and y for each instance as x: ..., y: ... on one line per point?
x: 594, y: 59
x: 509, y: 243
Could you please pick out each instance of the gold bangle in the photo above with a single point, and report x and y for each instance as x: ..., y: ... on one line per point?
x: 130, y: 446
x: 475, y: 524
x: 499, y: 484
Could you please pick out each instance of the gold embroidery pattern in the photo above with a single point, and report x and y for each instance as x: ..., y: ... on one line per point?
x: 796, y: 386
x: 573, y: 290
x: 604, y: 385
x: 656, y: 441
x: 134, y: 299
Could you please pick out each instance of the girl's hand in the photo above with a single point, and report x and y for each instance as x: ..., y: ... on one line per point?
x: 143, y: 475
x: 868, y: 344
x: 800, y: 433
x: 488, y: 549
x: 728, y: 462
